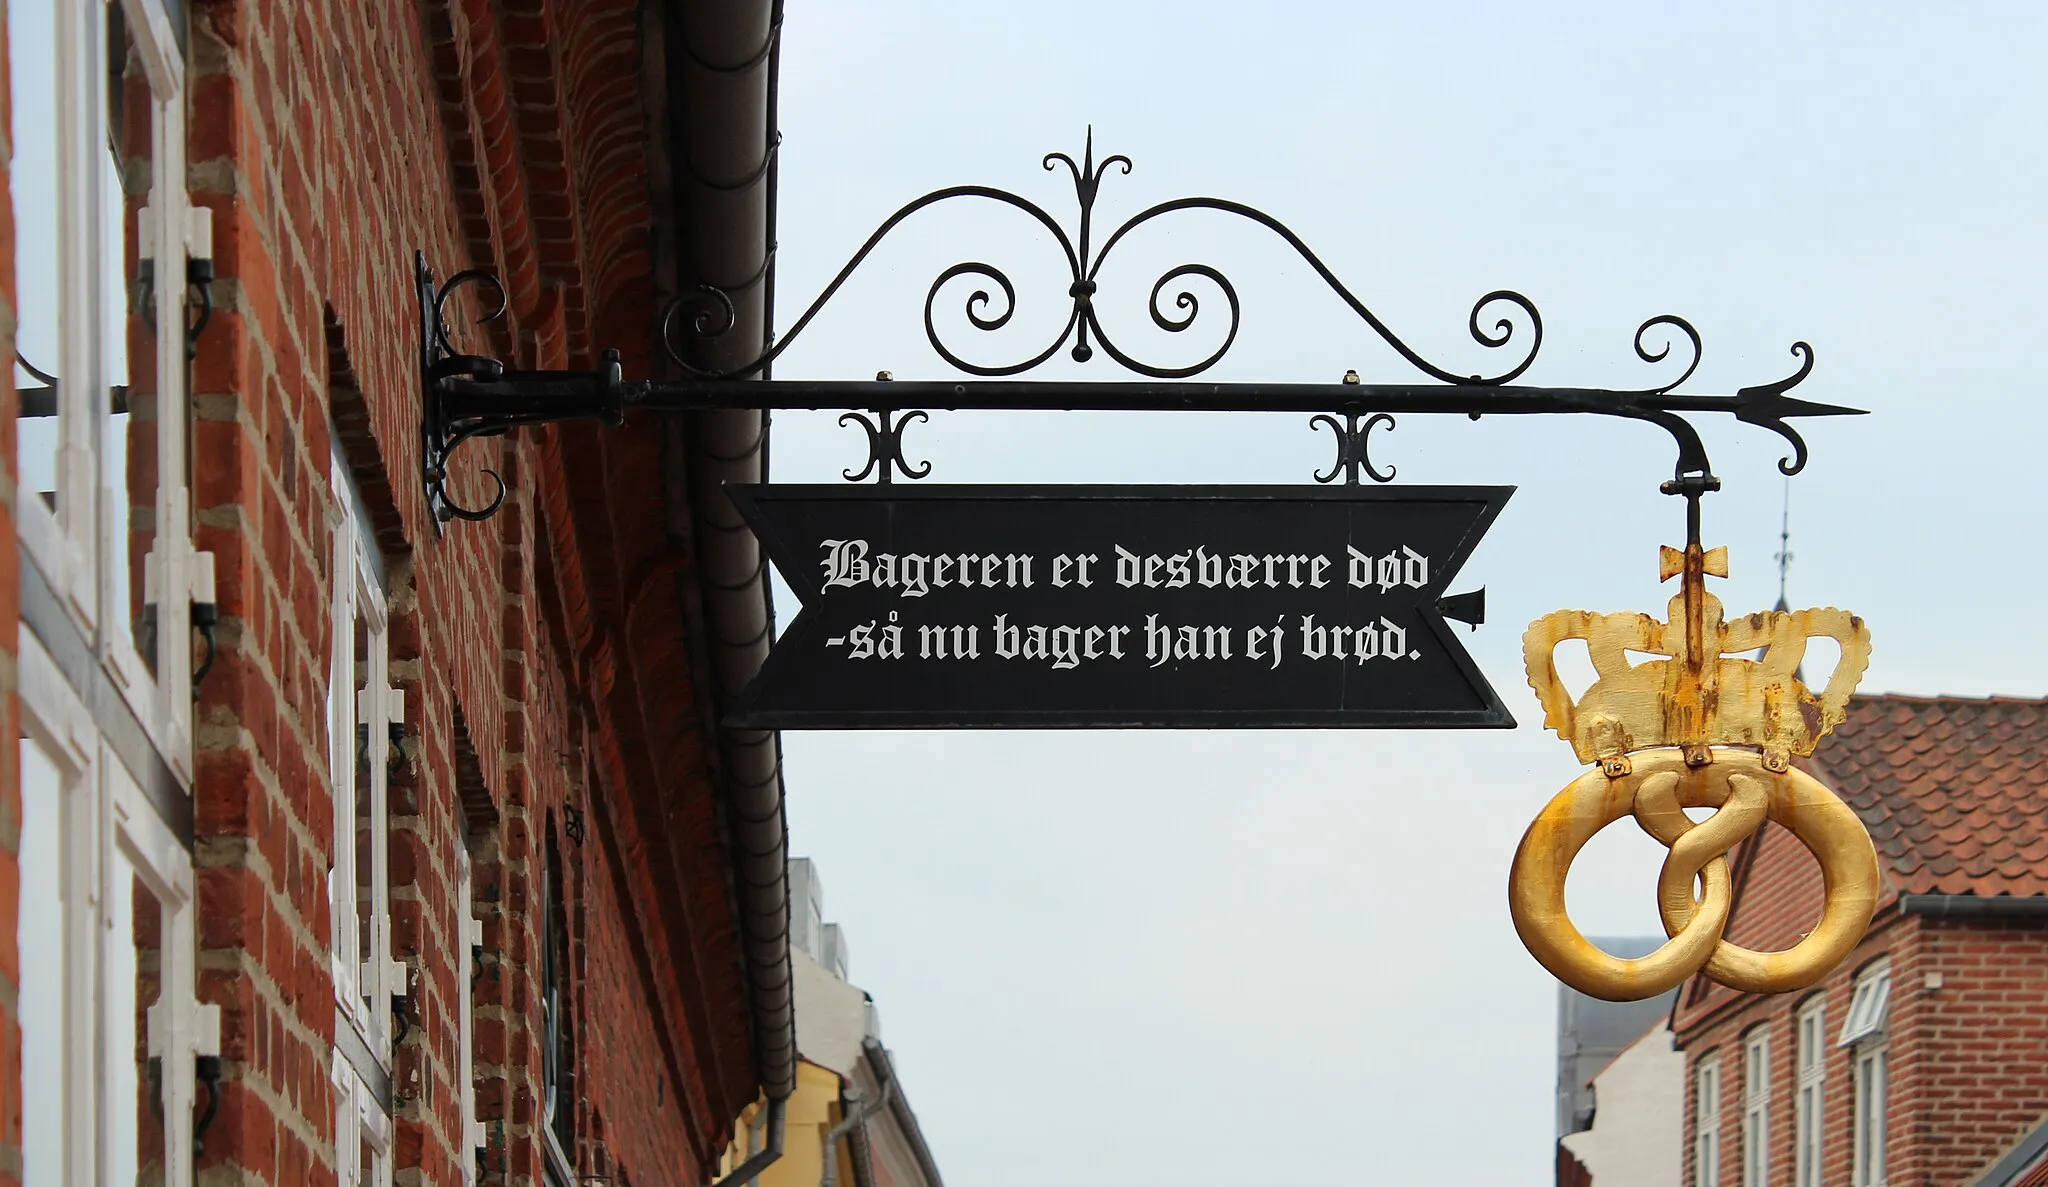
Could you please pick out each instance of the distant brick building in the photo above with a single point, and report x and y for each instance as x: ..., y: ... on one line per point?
x: 1923, y: 1060
x: 443, y: 871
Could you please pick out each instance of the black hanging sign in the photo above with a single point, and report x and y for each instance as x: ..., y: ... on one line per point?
x: 1121, y: 606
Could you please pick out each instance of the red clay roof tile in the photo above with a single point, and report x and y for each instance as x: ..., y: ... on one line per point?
x: 1954, y: 790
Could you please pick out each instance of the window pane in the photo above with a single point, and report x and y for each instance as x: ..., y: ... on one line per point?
x: 1862, y: 1123
x: 132, y: 294
x: 341, y: 876
x: 136, y: 922
x: 41, y: 936
x: 34, y: 178
x: 365, y: 818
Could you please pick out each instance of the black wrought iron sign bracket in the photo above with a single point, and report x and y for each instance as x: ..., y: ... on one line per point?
x: 466, y: 396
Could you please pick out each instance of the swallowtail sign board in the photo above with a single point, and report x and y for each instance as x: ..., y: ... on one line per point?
x: 1121, y: 607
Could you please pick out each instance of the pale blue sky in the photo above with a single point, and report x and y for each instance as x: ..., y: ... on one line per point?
x: 1207, y: 958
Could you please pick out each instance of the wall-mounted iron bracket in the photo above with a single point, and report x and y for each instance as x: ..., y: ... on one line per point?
x: 468, y: 396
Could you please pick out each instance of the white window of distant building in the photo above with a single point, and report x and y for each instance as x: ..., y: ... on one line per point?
x: 1807, y: 1122
x: 1869, y: 1005
x: 1869, y: 1067
x: 1706, y: 1145
x: 1756, y: 1107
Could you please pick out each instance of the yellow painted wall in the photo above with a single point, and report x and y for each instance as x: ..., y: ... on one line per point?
x: 813, y: 1110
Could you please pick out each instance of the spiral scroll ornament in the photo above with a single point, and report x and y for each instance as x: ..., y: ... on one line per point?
x: 1501, y: 319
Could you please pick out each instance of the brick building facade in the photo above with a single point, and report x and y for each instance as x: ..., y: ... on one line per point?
x: 426, y: 861
x: 1923, y: 1060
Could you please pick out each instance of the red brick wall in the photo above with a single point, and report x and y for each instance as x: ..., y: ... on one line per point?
x: 1967, y: 1059
x: 1723, y: 1030
x: 1981, y: 1077
x: 330, y: 138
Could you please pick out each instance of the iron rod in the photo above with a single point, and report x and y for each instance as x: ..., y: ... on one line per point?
x: 464, y: 396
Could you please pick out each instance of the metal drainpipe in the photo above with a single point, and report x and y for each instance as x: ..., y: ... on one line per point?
x: 770, y: 1150
x: 854, y: 1120
x: 725, y: 63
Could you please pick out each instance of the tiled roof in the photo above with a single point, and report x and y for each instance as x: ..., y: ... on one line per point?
x: 1954, y: 790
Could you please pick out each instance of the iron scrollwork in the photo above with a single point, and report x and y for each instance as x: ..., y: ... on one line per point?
x: 537, y: 397
x: 710, y: 312
x: 470, y: 396
x: 885, y: 445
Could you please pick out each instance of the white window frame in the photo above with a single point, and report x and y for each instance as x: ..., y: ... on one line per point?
x: 74, y: 545
x: 359, y: 1119
x: 1809, y: 1128
x: 1869, y: 1005
x: 1870, y: 1072
x: 64, y: 541
x: 555, y: 979
x: 163, y: 702
x: 137, y: 840
x: 64, y: 730
x: 1866, y: 1033
x: 468, y: 943
x: 364, y: 981
x: 110, y: 830
x: 1706, y: 1143
x: 1756, y: 1107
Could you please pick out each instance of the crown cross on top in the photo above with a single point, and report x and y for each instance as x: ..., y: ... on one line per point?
x: 1700, y: 688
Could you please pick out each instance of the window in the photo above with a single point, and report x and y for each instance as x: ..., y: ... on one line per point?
x: 1706, y: 1146
x: 468, y: 961
x: 1869, y: 1072
x: 1867, y: 1136
x: 558, y: 1042
x: 362, y: 1131
x: 102, y: 232
x: 56, y: 923
x: 109, y: 1026
x: 361, y: 705
x: 1807, y: 1118
x: 361, y: 708
x: 1756, y: 1107
x: 1869, y: 1005
x: 147, y: 980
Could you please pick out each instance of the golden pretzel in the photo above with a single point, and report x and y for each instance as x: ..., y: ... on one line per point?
x: 1745, y: 792
x: 1700, y: 724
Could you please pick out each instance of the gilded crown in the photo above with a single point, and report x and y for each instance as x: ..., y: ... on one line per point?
x: 1705, y: 690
